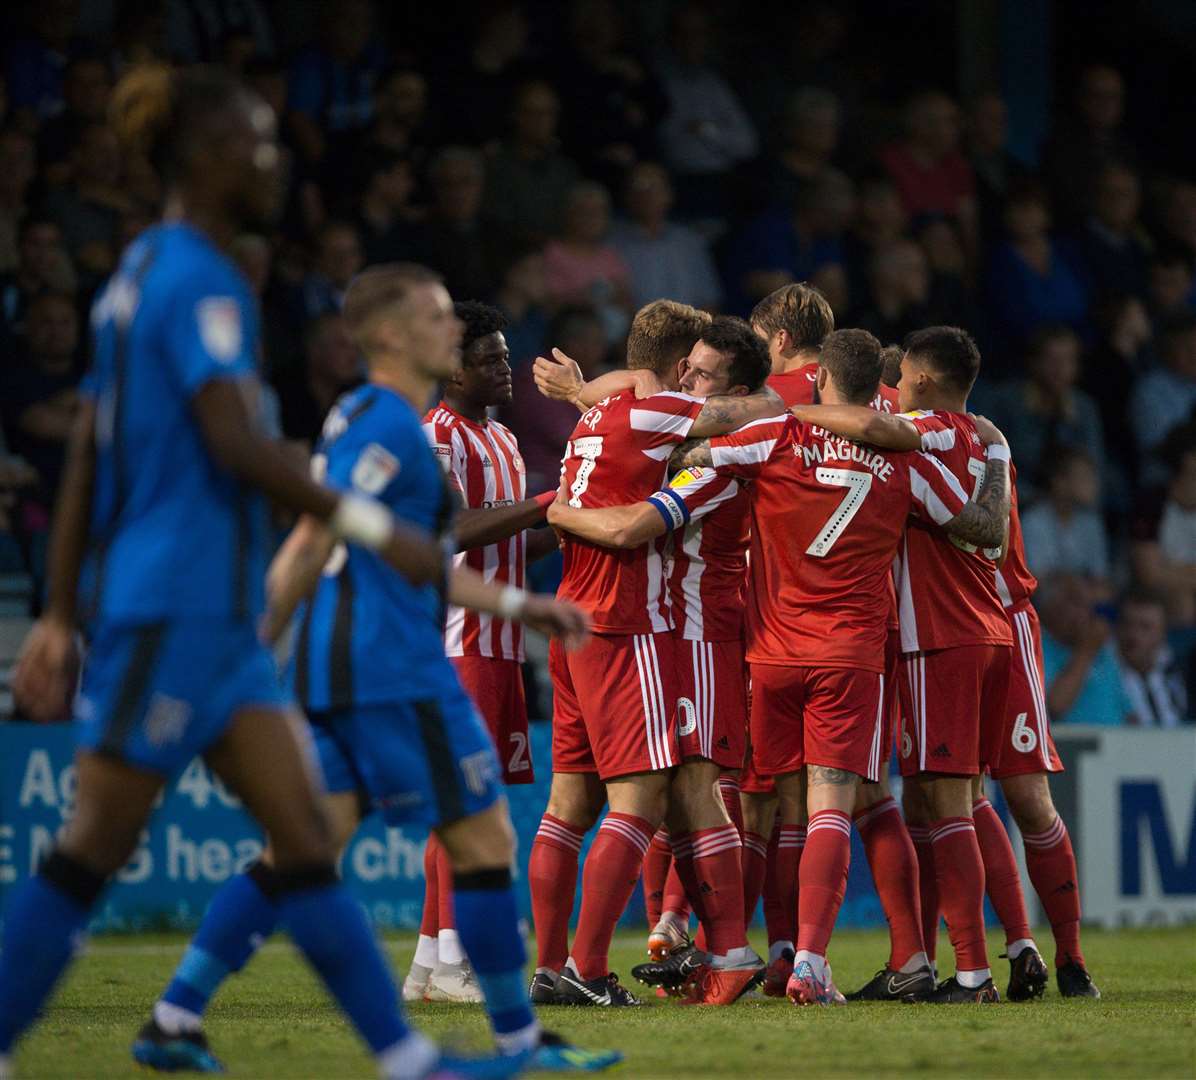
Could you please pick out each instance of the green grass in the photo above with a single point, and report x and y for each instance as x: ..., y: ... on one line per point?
x: 274, y: 1021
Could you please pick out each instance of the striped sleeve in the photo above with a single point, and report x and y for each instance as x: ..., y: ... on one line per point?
x: 692, y: 494
x: 743, y: 452
x: 446, y: 444
x: 937, y: 494
x: 664, y: 419
x: 936, y: 435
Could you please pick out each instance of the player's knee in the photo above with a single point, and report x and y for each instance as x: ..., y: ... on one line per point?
x: 104, y: 849
x: 1031, y: 804
x: 81, y: 880
x: 574, y: 805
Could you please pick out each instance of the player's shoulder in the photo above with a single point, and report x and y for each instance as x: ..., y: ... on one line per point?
x: 182, y: 260
x: 441, y: 420
x: 369, y: 412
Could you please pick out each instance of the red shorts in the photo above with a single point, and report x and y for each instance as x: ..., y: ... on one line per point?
x: 752, y: 782
x: 712, y: 702
x: 615, y: 705
x: 1025, y: 745
x: 496, y: 687
x: 817, y: 716
x: 891, y: 724
x: 953, y: 706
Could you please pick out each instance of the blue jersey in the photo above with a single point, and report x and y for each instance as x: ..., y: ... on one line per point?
x: 172, y: 534
x: 368, y: 636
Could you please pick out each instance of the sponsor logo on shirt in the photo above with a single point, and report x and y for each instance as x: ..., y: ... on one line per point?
x: 219, y: 320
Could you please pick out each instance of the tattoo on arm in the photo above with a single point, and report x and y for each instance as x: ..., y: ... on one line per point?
x: 822, y: 774
x: 692, y: 453
x: 984, y: 519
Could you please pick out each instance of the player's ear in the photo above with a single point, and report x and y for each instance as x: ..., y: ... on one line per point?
x: 823, y: 379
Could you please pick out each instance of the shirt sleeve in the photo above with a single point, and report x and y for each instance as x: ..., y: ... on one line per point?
x: 664, y: 420
x: 368, y: 459
x: 743, y: 452
x: 692, y: 494
x: 211, y: 333
x: 937, y: 495
x: 936, y: 434
x: 446, y: 445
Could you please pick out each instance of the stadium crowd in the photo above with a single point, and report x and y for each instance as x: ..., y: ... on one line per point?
x: 568, y: 164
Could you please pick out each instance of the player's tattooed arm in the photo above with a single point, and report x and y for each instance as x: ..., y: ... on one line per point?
x: 724, y: 412
x: 692, y: 454
x: 824, y: 775
x: 984, y: 520
x: 862, y: 424
x: 614, y: 526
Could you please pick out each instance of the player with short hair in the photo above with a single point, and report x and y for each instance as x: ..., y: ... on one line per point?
x: 481, y: 459
x: 164, y: 494
x: 827, y: 518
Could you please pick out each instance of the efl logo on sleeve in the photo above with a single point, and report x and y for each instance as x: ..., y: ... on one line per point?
x: 376, y: 468
x: 219, y: 319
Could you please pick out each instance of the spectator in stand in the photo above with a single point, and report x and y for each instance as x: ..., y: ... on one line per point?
x: 402, y: 123
x: 1112, y: 247
x: 810, y: 128
x: 581, y: 265
x: 1086, y: 141
x: 783, y: 246
x: 528, y: 179
x: 1172, y: 284
x: 338, y: 259
x: 1031, y: 280
x: 18, y: 166
x: 613, y: 105
x: 879, y: 222
x: 931, y: 173
x: 1063, y: 530
x: 455, y: 238
x: 996, y: 169
x: 330, y: 94
x: 1046, y: 410
x: 899, y: 288
x: 1151, y: 678
x: 280, y: 342
x: 39, y: 397
x: 1179, y: 219
x: 522, y: 298
x: 1083, y: 683
x: 384, y: 216
x: 1165, y: 398
x: 16, y: 476
x: 197, y: 30
x: 706, y: 133
x: 331, y: 365
x: 43, y: 266
x: 86, y: 87
x: 950, y: 300
x: 1177, y: 535
x: 665, y: 259
x: 542, y: 425
x: 34, y: 62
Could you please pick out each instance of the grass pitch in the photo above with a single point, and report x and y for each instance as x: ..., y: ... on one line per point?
x: 275, y: 1021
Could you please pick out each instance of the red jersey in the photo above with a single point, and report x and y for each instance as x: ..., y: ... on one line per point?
x: 800, y: 387
x: 482, y: 463
x: 1015, y: 583
x: 619, y: 452
x: 947, y: 589
x: 827, y: 517
x: 708, y: 585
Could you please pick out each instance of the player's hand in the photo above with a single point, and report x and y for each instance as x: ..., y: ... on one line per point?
x: 1094, y: 635
x: 557, y: 618
x: 43, y: 681
x: 558, y: 378
x: 988, y: 431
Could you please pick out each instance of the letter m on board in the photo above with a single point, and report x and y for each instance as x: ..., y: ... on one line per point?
x: 1177, y: 871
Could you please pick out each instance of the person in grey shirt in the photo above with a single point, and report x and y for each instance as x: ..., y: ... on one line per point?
x: 1063, y: 531
x: 1166, y: 397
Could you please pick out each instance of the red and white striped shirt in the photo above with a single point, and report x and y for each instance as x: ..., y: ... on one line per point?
x: 482, y: 463
x: 800, y: 387
x: 1015, y: 583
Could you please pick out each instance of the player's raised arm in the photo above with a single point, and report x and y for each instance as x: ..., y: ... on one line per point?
x: 725, y: 413
x: 862, y: 424
x: 560, y: 378
x: 985, y: 520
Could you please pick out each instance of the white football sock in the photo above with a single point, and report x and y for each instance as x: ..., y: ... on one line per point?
x: 175, y: 1020
x: 970, y: 980
x: 449, y: 945
x: 427, y: 951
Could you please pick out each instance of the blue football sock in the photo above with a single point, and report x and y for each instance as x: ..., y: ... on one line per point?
x: 331, y: 929
x: 239, y: 918
x: 488, y: 924
x: 44, y: 920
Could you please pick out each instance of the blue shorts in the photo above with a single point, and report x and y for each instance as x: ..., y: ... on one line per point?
x: 156, y: 695
x: 429, y: 762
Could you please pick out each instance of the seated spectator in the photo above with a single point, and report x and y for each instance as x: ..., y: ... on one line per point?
x: 1083, y: 682
x: 665, y: 259
x: 43, y: 266
x: 86, y: 87
x: 384, y: 216
x: 930, y: 171
x: 783, y: 246
x: 1046, y: 410
x: 995, y: 167
x: 898, y: 291
x: 1112, y: 247
x: 522, y: 298
x: 542, y: 425
x: 1165, y: 398
x: 1151, y: 677
x: 18, y: 167
x: 528, y: 179
x: 338, y: 259
x: 455, y: 238
x: 39, y: 396
x: 706, y: 132
x: 1063, y: 531
x: 1172, y: 289
x: 90, y: 207
x: 1031, y: 281
x: 581, y: 266
x: 331, y: 366
x: 809, y: 132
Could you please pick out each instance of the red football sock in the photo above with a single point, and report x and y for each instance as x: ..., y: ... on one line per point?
x: 1001, y: 878
x: 552, y: 877
x: 960, y: 873
x: 780, y: 884
x: 681, y: 892
x: 720, y: 884
x: 823, y: 875
x: 1052, y: 866
x: 728, y: 788
x: 657, y: 864
x: 612, y: 869
x: 444, y: 889
x: 894, y: 866
x: 429, y: 922
x: 753, y: 858
x: 928, y: 888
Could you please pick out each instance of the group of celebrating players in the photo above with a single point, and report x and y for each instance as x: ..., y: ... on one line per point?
x: 727, y: 646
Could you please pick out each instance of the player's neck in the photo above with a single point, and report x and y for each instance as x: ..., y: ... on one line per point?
x: 943, y: 403
x: 408, y: 383
x: 783, y: 365
x: 470, y: 410
x: 216, y: 224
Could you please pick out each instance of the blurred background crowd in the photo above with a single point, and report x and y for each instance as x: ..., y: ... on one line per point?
x: 569, y: 161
